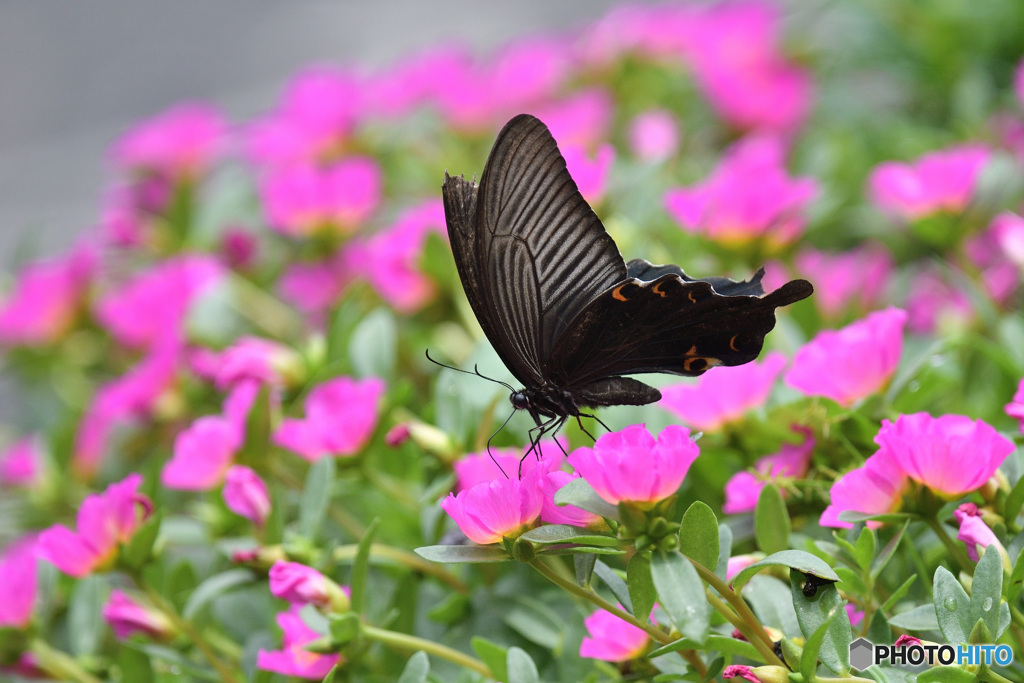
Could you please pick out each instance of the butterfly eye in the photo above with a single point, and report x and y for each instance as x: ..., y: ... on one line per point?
x: 519, y: 401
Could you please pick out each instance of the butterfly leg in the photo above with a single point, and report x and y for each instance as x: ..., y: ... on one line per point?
x: 597, y: 419
x: 536, y: 434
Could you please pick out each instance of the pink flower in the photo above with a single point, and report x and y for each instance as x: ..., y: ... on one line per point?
x: 341, y: 415
x: 105, y: 520
x: 245, y: 494
x: 905, y: 640
x: 526, y: 72
x: 999, y: 275
x: 935, y: 306
x: 874, y: 488
x: 312, y: 121
x: 738, y: 563
x: 18, y: 584
x: 179, y: 144
x: 315, y: 287
x: 294, y: 659
x: 654, y: 135
x: 1015, y: 408
x: 500, y: 508
x: 855, y: 277
x: 128, y: 617
x: 849, y: 364
x: 590, y: 174
x: 239, y: 248
x: 977, y: 535
x: 461, y: 90
x: 582, y: 119
x: 724, y: 394
x: 940, y: 181
x: 403, y: 86
x: 21, y: 463
x: 153, y: 306
x: 630, y: 466
x: 304, y: 199
x: 740, y: 671
x: 612, y: 639
x: 47, y: 297
x: 951, y: 454
x: 749, y: 195
x: 1009, y: 233
x: 259, y: 360
x: 792, y: 461
x: 390, y: 259
x: 476, y: 468
x: 856, y: 616
x: 552, y: 513
x: 302, y: 585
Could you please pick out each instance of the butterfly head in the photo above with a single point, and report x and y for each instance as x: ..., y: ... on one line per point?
x: 519, y: 399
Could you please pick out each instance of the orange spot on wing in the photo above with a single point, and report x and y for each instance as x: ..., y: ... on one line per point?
x: 657, y: 290
x: 617, y: 293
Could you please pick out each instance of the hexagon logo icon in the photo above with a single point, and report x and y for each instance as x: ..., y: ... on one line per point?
x: 862, y: 654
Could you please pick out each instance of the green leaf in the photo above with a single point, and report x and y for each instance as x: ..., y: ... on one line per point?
x: 521, y: 668
x: 887, y: 551
x: 921, y: 618
x: 584, y: 565
x: 344, y: 628
x: 456, y: 554
x: 816, y: 642
x: 698, y: 535
x: 535, y: 621
x: 416, y: 669
x: 854, y: 517
x: 316, y: 496
x: 769, y: 598
x: 172, y: 656
x: 724, y: 550
x: 332, y: 675
x: 615, y: 584
x: 865, y: 550
x: 771, y: 521
x: 213, y: 587
x: 134, y: 665
x: 493, y: 655
x: 952, y: 607
x: 374, y: 343
x: 980, y: 635
x: 817, y: 603
x: 794, y: 559
x: 1013, y: 588
x: 879, y: 630
x: 681, y: 593
x: 581, y: 494
x: 717, y: 643
x: 851, y: 580
x: 987, y: 590
x: 1014, y: 501
x: 946, y: 674
x: 899, y: 593
x: 564, y: 533
x: 361, y: 567
x: 451, y: 609
x: 641, y: 586
x: 137, y: 551
x: 85, y: 615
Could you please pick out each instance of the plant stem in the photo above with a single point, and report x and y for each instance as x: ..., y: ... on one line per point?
x: 59, y: 664
x: 404, y: 557
x: 407, y: 642
x: 954, y: 549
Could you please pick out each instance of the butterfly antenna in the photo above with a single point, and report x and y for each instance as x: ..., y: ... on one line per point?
x: 491, y: 455
x: 476, y: 372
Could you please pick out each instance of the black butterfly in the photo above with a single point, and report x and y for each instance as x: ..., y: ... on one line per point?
x: 567, y: 316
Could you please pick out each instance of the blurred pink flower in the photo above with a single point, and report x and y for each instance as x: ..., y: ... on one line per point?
x: 302, y: 585
x: 1018, y: 81
x: 256, y: 359
x: 999, y: 275
x: 127, y: 617
x: 1015, y: 408
x: 590, y: 173
x: 724, y: 394
x: 750, y: 195
x: 47, y: 297
x: 294, y: 659
x: 791, y: 462
x: 105, y: 520
x: 18, y: 583
x: 935, y: 306
x: 630, y: 466
x: 876, y: 487
x: 581, y: 119
x: 461, y: 90
x: 856, y: 277
x: 312, y: 121
x: 313, y: 288
x: 940, y: 181
x: 403, y: 86
x: 527, y: 72
x: 303, y: 199
x: 738, y: 563
x: 341, y: 415
x: 246, y: 494
x: 977, y: 535
x: 500, y: 508
x: 856, y: 616
x: 21, y: 463
x: 552, y: 513
x: 154, y: 304
x: 849, y: 364
x: 476, y: 468
x: 612, y: 639
x: 179, y: 144
x: 1009, y: 233
x: 390, y: 259
x: 951, y: 454
x: 654, y: 135
x: 239, y: 248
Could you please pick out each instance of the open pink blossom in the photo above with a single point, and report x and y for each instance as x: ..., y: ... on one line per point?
x: 341, y: 415
x: 47, y: 297
x: 245, y: 494
x: 654, y: 135
x: 1015, y: 408
x: 390, y: 259
x: 500, y: 508
x: 303, y: 199
x: 581, y: 119
x: 552, y: 513
x: 723, y: 394
x: 874, y: 488
x: 180, y: 143
x: 153, y: 306
x: 590, y: 173
x: 849, y: 364
x: 939, y: 181
x: 951, y: 454
x: 934, y: 305
x: 256, y: 359
x: 476, y: 468
x: 105, y: 520
x: 977, y: 535
x: 302, y: 585
x: 612, y: 639
x: 854, y: 278
x: 791, y: 462
x: 294, y: 659
x: 313, y: 120
x: 750, y: 195
x: 126, y: 616
x: 18, y: 583
x: 21, y: 463
x: 631, y: 466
